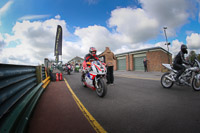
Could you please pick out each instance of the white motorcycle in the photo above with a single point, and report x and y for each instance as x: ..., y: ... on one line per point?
x: 190, y: 77
x: 95, y: 77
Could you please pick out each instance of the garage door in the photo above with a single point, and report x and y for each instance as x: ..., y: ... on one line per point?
x: 121, y: 64
x: 138, y: 63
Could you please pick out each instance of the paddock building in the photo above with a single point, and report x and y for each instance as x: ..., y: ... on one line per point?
x: 133, y: 60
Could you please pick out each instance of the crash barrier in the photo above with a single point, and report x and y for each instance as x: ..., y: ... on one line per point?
x: 44, y: 73
x: 20, y: 89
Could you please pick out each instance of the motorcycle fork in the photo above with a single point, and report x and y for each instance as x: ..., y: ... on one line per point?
x: 96, y: 82
x: 197, y: 77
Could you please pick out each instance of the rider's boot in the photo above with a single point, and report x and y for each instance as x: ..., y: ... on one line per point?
x: 83, y: 77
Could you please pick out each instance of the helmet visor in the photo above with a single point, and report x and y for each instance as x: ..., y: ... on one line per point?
x: 93, y: 53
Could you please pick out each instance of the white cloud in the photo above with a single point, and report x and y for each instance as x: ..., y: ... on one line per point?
x: 2, y: 42
x: 134, y: 24
x: 193, y: 41
x: 32, y: 17
x: 5, y: 8
x: 96, y: 36
x: 130, y: 28
x: 57, y: 17
x: 36, y: 41
x: 21, y: 54
x: 170, y: 13
x: 174, y: 47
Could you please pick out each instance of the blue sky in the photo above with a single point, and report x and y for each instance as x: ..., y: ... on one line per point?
x: 29, y: 26
x: 76, y: 12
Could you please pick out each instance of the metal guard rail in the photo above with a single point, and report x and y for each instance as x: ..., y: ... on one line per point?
x: 18, y: 95
x: 15, y: 82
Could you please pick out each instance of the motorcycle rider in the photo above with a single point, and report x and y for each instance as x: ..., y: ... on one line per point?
x: 179, y: 61
x: 90, y: 56
x: 68, y: 64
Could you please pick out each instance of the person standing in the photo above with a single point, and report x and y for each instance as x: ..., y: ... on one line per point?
x: 145, y: 65
x: 109, y: 60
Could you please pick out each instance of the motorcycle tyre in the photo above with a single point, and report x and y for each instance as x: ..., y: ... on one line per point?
x: 103, y: 85
x: 194, y: 85
x: 162, y: 78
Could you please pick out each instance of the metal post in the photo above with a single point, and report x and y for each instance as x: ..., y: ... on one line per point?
x: 39, y: 74
x: 167, y: 43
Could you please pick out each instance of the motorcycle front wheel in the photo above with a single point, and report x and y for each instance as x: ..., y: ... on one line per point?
x: 165, y: 82
x: 196, y: 84
x: 101, y: 90
x: 83, y: 80
x: 68, y: 72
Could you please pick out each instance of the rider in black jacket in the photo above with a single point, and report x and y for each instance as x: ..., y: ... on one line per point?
x: 179, y: 61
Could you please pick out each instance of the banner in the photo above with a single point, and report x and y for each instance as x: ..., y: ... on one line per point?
x: 57, y: 59
x: 58, y: 43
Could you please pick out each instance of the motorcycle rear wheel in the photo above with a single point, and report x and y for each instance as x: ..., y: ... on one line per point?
x: 165, y: 82
x: 102, y: 89
x: 195, y: 85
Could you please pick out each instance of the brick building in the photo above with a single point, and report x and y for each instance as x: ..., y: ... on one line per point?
x: 133, y: 60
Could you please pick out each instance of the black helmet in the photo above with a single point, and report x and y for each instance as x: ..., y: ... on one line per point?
x: 93, y: 51
x: 184, y: 48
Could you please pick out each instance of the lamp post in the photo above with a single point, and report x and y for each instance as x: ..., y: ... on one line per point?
x: 167, y: 43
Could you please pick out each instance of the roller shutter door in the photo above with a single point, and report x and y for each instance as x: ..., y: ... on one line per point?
x: 121, y: 64
x: 138, y: 63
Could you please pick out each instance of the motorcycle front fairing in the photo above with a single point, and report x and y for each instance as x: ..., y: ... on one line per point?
x: 89, y: 80
x: 95, y: 71
x: 169, y: 67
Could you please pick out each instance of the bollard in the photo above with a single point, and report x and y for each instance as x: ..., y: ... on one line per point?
x: 61, y: 77
x: 57, y: 76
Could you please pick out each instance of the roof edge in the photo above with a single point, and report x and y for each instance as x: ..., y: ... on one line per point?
x: 143, y: 50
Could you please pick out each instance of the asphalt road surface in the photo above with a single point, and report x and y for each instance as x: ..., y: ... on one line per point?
x: 139, y: 105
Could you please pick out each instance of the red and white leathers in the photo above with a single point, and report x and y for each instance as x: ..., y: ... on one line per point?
x: 88, y: 57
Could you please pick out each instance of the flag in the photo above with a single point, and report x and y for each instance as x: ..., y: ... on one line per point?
x: 58, y: 43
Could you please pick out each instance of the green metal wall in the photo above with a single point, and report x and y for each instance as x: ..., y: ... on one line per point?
x: 138, y: 63
x: 121, y: 64
x: 19, y: 93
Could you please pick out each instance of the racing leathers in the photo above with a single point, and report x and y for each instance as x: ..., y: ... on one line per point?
x: 177, y: 64
x: 88, y: 58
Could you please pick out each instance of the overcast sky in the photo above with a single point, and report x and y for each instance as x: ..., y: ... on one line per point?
x: 28, y: 27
